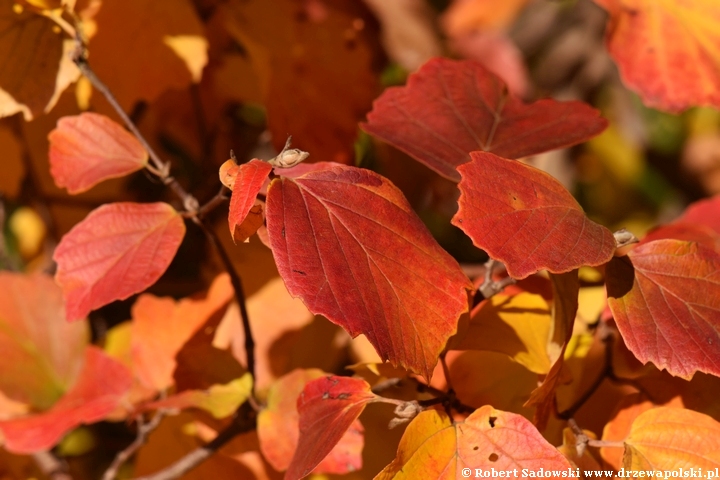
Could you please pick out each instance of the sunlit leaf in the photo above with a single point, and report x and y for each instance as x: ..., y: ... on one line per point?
x: 348, y: 244
x: 42, y: 353
x: 89, y: 148
x: 433, y: 447
x: 219, y: 400
x: 119, y: 249
x: 328, y: 407
x: 665, y: 297
x: 525, y: 218
x: 518, y: 326
x: 451, y: 108
x: 671, y: 75
x: 243, y: 219
x: 161, y: 326
x: 99, y: 389
x: 565, y: 289
x: 278, y: 428
x: 667, y: 438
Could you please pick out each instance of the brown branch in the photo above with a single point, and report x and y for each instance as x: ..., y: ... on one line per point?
x: 51, y: 466
x: 245, y: 420
x: 143, y: 431
x: 239, y: 296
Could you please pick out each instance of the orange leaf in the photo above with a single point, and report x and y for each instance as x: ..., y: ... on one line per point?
x: 451, y: 108
x: 31, y: 53
x: 704, y: 212
x: 468, y: 16
x: 278, y: 428
x: 434, y: 447
x: 161, y: 326
x: 132, y: 50
x: 525, y: 218
x: 328, y: 408
x: 119, y: 249
x: 518, y: 326
x: 249, y: 179
x: 565, y: 288
x: 667, y: 438
x: 42, y: 353
x: 100, y: 388
x: 349, y: 245
x: 667, y: 51
x: 665, y: 297
x: 89, y: 148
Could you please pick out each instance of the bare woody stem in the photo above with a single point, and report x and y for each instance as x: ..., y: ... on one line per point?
x: 143, y: 430
x: 245, y: 420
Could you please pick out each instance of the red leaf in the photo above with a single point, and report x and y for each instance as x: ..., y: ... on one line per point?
x: 89, y: 148
x: 451, y: 108
x: 526, y: 219
x: 704, y: 212
x: 665, y: 297
x: 667, y: 51
x: 328, y: 407
x: 41, y: 352
x: 118, y: 250
x: 249, y: 179
x: 278, y: 426
x: 99, y: 390
x: 348, y: 244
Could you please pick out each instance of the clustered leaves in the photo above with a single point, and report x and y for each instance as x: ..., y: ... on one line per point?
x: 348, y: 244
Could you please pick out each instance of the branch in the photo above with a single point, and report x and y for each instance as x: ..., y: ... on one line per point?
x: 489, y: 286
x: 239, y: 296
x: 143, y: 431
x: 245, y: 420
x: 51, y: 466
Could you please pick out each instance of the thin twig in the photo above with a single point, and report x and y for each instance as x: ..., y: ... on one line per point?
x: 239, y: 296
x: 489, y: 286
x: 245, y: 420
x: 214, y: 202
x: 143, y: 431
x: 51, y: 466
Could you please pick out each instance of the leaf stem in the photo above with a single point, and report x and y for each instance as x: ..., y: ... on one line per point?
x: 51, y: 466
x: 143, y: 431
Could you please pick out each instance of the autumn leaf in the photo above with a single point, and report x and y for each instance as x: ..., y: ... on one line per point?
x: 670, y: 75
x: 278, y: 428
x: 518, y: 326
x: 349, y: 245
x: 667, y: 438
x: 244, y: 218
x: 42, y: 353
x: 218, y: 400
x: 304, y: 62
x: 135, y: 50
x: 89, y: 148
x: 119, y: 249
x: 526, y: 219
x: 434, y: 446
x: 467, y: 16
x: 565, y: 288
x: 328, y: 407
x: 98, y: 391
x: 618, y: 427
x: 280, y: 316
x: 703, y: 212
x: 451, y: 108
x: 31, y: 50
x: 161, y: 326
x: 665, y: 297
